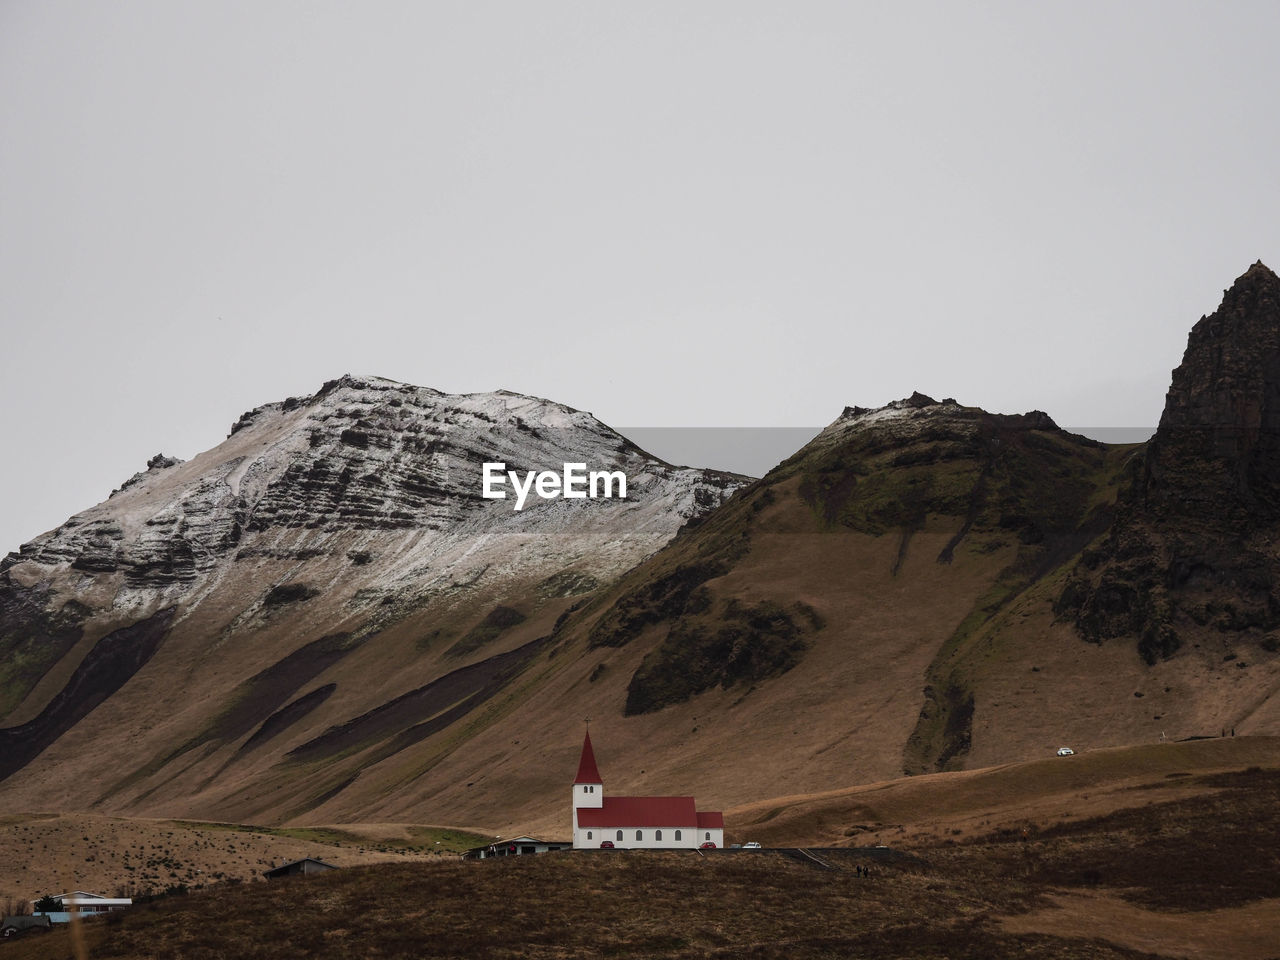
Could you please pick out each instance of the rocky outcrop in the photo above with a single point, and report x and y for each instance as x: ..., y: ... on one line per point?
x: 1193, y: 544
x: 1217, y: 450
x: 159, y: 462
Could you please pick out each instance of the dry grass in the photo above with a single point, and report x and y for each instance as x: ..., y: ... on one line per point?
x: 1201, y: 853
x: 45, y: 853
x: 578, y: 906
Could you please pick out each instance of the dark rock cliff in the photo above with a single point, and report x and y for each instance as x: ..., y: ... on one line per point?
x: 1194, y: 542
x: 1218, y: 447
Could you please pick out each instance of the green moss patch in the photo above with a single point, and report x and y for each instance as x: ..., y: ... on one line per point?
x: 743, y: 644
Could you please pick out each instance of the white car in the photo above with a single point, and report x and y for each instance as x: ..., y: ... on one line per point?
x: 1066, y: 752
x: 751, y: 846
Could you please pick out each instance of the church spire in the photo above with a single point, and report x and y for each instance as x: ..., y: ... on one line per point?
x: 587, y: 770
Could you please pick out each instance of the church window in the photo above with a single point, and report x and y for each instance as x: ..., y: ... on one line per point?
x: 708, y: 834
x: 619, y: 834
x: 677, y: 834
x: 639, y: 834
x: 588, y: 834
x: 657, y: 834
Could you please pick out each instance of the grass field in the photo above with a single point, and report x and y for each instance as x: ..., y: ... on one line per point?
x: 1195, y: 875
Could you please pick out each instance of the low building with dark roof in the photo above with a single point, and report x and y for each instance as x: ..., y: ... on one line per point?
x: 303, y: 867
x: 515, y: 847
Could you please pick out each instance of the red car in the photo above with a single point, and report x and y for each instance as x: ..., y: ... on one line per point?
x: 709, y: 845
x: 606, y: 844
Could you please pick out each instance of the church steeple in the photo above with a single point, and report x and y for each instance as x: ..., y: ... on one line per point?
x: 587, y: 770
x: 588, y: 793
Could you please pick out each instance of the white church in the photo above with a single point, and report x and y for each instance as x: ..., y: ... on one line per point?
x: 643, y: 823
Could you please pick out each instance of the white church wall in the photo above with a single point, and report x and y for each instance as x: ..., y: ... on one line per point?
x: 643, y: 838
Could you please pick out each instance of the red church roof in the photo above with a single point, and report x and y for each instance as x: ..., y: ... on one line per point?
x: 587, y: 771
x: 710, y: 821
x: 643, y: 812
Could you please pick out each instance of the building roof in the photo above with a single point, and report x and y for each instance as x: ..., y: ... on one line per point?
x: 516, y: 841
x: 587, y: 770
x: 710, y: 820
x: 79, y: 897
x: 640, y: 812
x: 285, y: 867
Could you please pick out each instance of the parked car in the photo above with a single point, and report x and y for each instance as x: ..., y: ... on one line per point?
x: 606, y: 844
x: 1066, y: 752
x: 709, y: 845
x: 751, y: 846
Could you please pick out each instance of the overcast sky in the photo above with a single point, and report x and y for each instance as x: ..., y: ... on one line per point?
x: 669, y: 214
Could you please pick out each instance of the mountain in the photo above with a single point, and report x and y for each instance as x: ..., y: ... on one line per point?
x: 333, y: 559
x: 913, y: 592
x: 321, y: 620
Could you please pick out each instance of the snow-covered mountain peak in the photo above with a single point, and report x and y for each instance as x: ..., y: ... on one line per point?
x: 365, y: 461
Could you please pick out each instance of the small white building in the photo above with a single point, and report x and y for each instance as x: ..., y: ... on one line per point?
x: 645, y: 823
x: 515, y: 847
